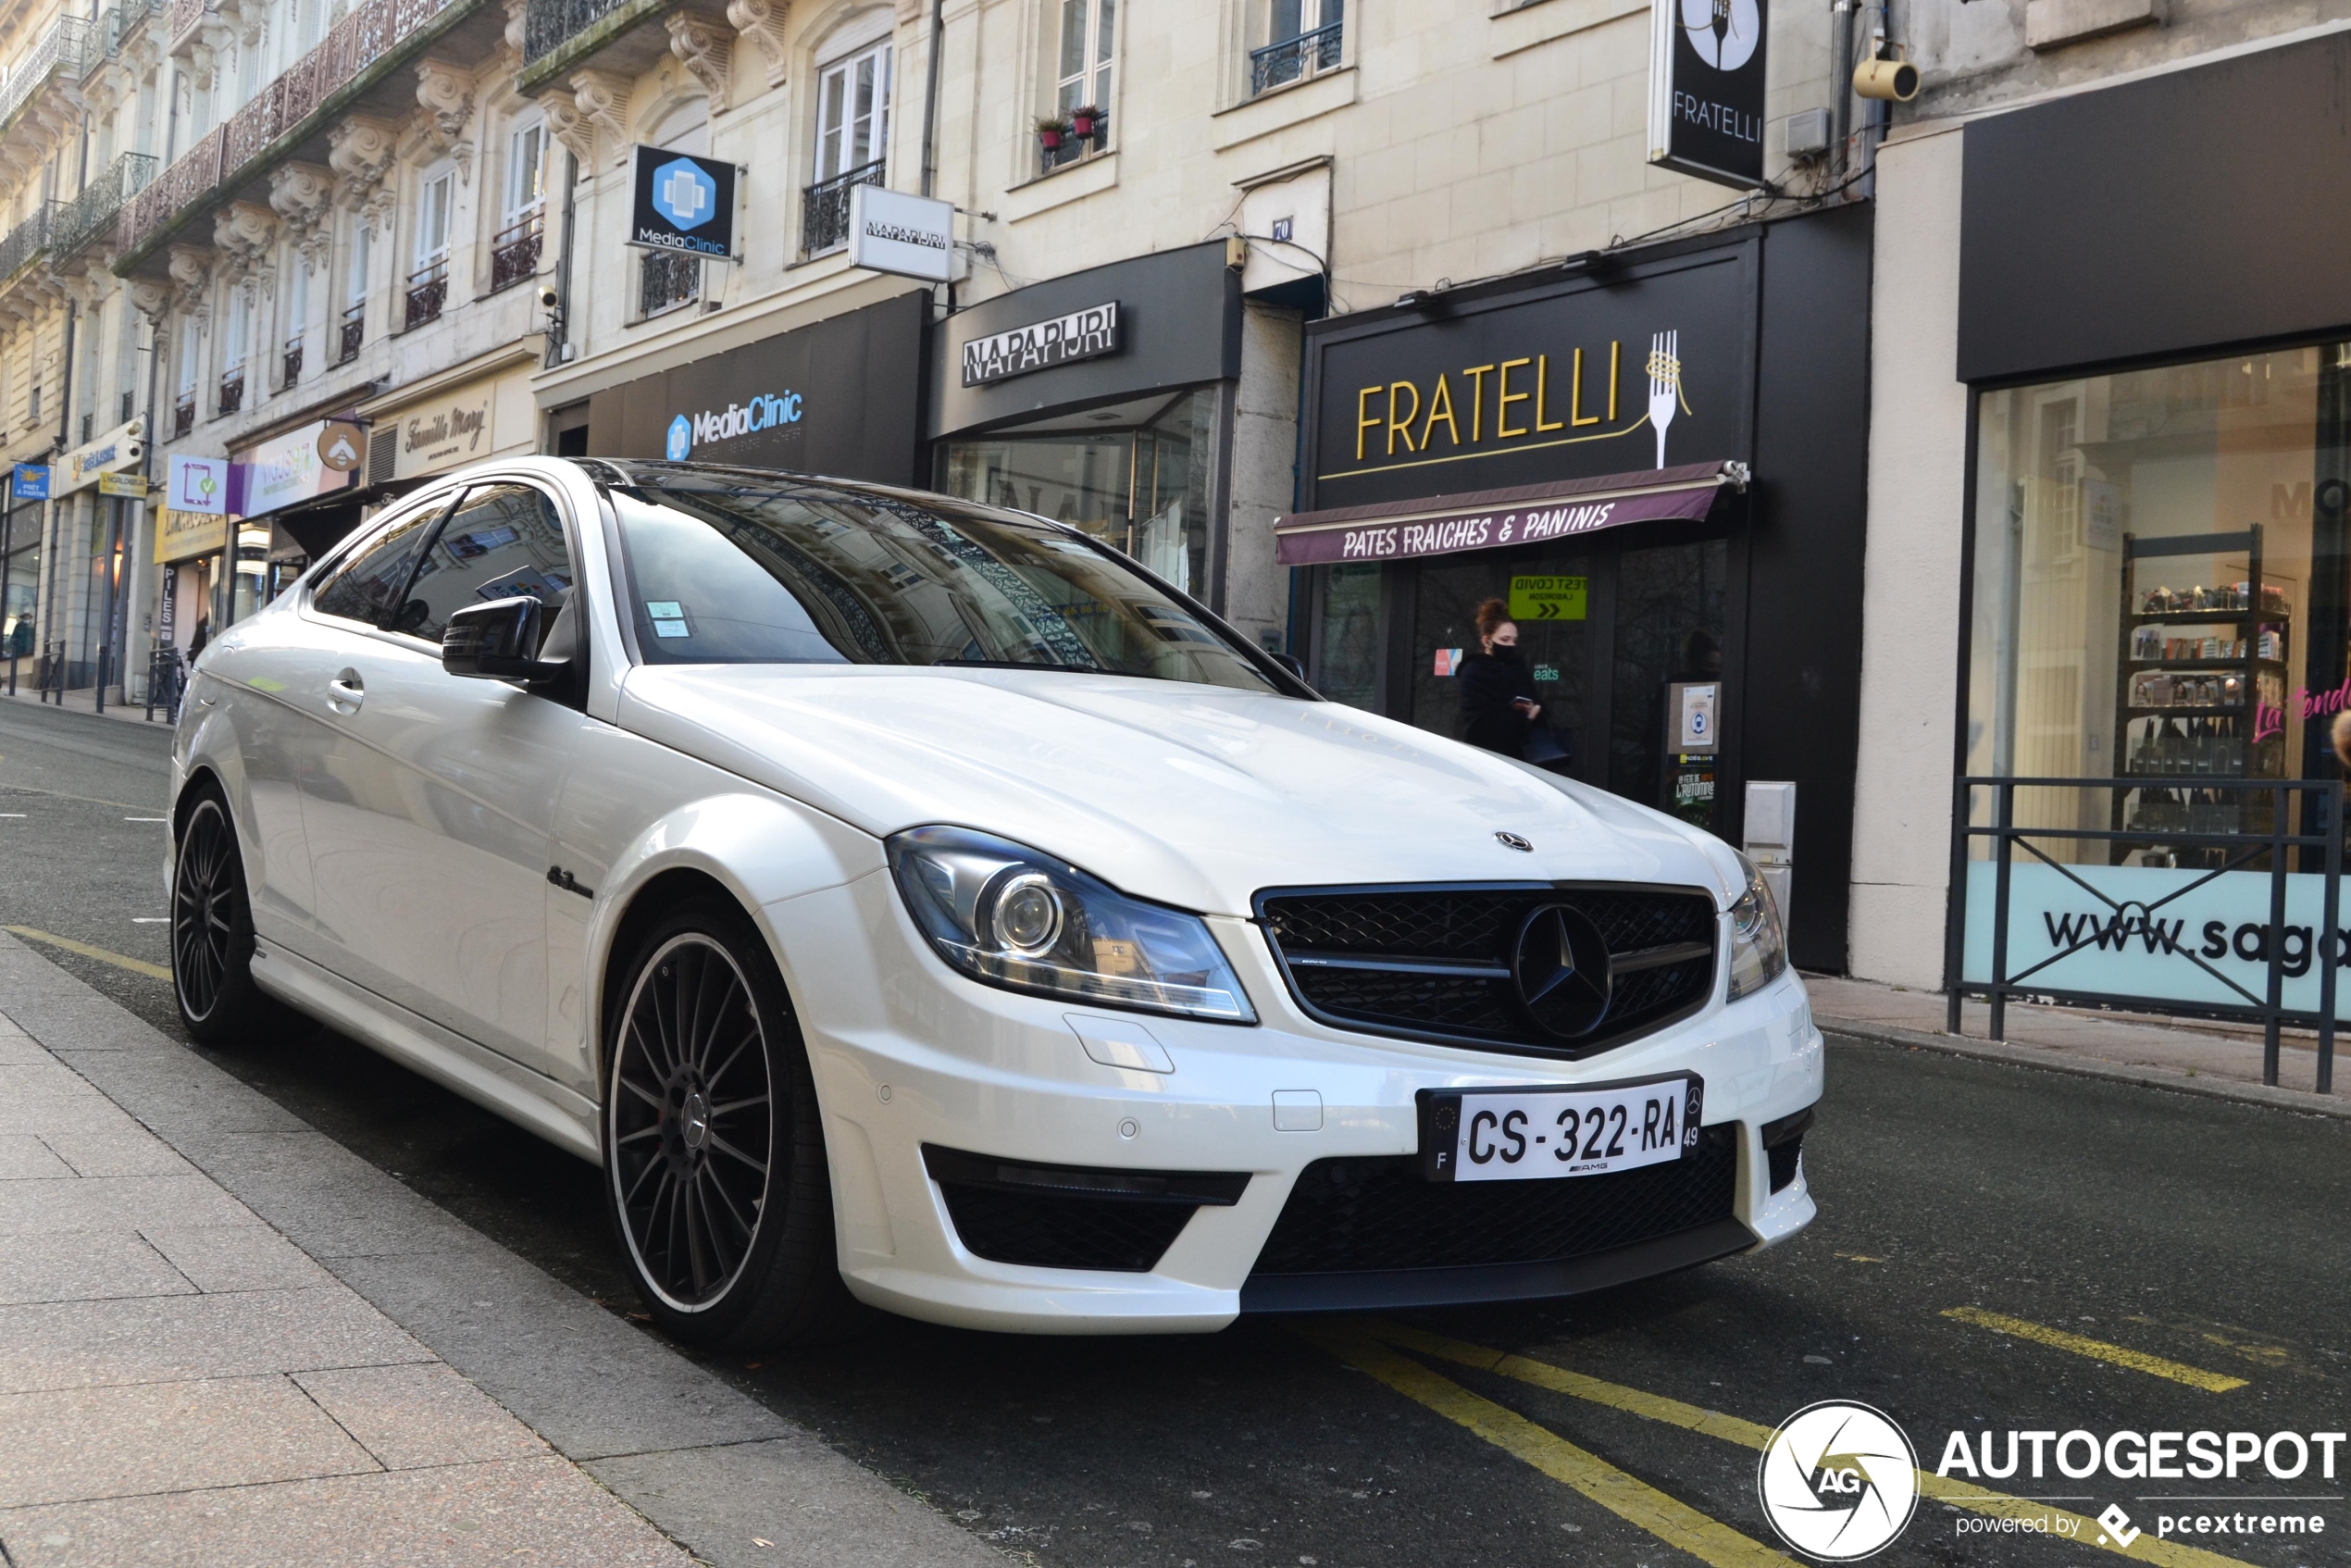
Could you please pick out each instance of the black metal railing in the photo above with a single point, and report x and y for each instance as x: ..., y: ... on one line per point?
x: 547, y: 25
x: 28, y: 239
x: 92, y: 211
x: 353, y: 332
x: 668, y: 279
x: 232, y: 392
x: 427, y: 291
x: 163, y: 683
x: 292, y: 361
x: 1290, y: 58
x: 824, y: 207
x: 183, y: 415
x: 514, y: 254
x: 2251, y: 832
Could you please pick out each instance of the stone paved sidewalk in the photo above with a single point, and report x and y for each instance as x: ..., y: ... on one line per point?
x: 180, y: 1384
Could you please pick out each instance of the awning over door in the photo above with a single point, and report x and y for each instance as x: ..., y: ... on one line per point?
x: 1494, y: 519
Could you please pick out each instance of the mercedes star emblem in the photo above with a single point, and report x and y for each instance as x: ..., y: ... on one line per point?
x: 1513, y: 842
x: 1560, y: 964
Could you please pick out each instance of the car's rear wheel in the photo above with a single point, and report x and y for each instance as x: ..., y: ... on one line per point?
x: 212, y: 926
x: 714, y: 1152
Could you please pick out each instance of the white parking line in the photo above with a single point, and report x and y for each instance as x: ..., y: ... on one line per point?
x: 146, y: 819
x: 150, y: 919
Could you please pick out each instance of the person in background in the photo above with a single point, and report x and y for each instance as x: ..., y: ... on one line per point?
x: 198, y: 637
x: 1498, y: 706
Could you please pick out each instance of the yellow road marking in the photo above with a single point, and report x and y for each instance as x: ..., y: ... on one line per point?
x: 1634, y: 1500
x: 136, y: 966
x: 1749, y: 1434
x: 2098, y: 1349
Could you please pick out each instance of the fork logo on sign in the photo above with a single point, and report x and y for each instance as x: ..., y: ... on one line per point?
x: 1665, y: 384
x: 1838, y: 1481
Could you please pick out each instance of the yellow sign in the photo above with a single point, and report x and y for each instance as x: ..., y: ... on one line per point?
x: 131, y: 487
x: 1549, y: 597
x: 181, y: 534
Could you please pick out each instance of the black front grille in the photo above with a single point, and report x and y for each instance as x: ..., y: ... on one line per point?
x: 1434, y: 961
x: 1070, y: 1217
x: 1786, y: 1159
x: 1380, y: 1213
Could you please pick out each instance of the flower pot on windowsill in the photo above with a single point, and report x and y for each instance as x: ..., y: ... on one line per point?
x: 1086, y: 123
x: 1050, y: 134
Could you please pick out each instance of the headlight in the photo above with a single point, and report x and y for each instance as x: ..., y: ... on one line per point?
x: 1013, y: 917
x: 1759, y: 951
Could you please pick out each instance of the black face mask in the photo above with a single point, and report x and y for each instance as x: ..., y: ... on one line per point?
x: 1506, y: 652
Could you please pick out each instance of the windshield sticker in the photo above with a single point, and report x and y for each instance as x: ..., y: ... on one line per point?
x: 671, y: 629
x: 665, y: 609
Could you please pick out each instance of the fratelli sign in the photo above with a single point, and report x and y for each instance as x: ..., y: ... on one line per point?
x: 1643, y: 371
x: 1040, y: 345
x: 1705, y: 88
x: 682, y: 203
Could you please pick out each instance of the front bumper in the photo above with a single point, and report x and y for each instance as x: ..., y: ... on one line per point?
x: 909, y: 1054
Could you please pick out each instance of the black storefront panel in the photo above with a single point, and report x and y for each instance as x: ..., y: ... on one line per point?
x: 2160, y: 218
x: 841, y: 397
x: 1760, y: 341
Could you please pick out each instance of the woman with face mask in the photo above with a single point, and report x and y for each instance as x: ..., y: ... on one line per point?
x: 1498, y: 706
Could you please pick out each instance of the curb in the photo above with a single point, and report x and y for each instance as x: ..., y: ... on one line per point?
x: 2048, y: 1060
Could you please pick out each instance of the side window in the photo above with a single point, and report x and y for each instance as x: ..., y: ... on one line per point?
x: 365, y: 587
x: 503, y: 539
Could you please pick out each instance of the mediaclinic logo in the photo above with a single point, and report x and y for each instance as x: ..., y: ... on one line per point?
x: 1838, y: 1481
x: 684, y: 194
x: 681, y: 439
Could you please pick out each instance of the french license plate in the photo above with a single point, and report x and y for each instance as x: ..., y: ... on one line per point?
x: 1544, y: 1134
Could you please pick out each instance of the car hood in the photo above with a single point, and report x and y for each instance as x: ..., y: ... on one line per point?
x: 1194, y: 795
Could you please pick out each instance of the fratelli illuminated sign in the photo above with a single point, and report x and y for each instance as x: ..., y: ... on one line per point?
x: 1705, y: 88
x: 1040, y: 345
x: 682, y: 203
x: 764, y: 412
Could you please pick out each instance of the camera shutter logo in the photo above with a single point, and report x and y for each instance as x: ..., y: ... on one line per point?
x: 681, y: 439
x: 684, y: 194
x: 1838, y: 1481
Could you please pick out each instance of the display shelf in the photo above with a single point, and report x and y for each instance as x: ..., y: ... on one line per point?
x: 2216, y: 665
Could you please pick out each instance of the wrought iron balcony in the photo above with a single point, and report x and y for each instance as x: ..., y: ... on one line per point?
x: 823, y: 208
x: 60, y: 51
x: 27, y: 239
x: 427, y: 291
x: 353, y: 333
x: 547, y: 25
x: 183, y: 415
x: 232, y: 392
x: 1291, y: 59
x: 291, y: 102
x: 92, y: 211
x: 514, y: 254
x: 292, y: 361
x: 112, y: 26
x: 669, y: 279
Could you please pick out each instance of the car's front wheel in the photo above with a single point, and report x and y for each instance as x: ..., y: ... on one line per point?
x: 714, y: 1153
x: 212, y: 925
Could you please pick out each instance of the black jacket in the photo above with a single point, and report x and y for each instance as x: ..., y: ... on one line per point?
x: 1490, y: 683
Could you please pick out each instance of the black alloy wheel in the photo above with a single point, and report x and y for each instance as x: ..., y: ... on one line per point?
x: 212, y: 938
x: 713, y: 1155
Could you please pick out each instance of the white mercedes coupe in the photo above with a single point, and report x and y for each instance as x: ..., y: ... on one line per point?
x: 916, y: 901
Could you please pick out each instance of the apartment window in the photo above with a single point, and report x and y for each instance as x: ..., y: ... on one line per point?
x: 1303, y: 38
x: 668, y: 279
x: 852, y: 139
x: 354, y: 325
x: 428, y: 278
x: 514, y: 254
x: 297, y: 322
x: 233, y: 354
x: 183, y: 396
x: 1081, y: 82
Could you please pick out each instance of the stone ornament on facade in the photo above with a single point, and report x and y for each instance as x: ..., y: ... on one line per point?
x: 191, y: 268
x: 569, y: 127
x: 302, y: 196
x: 762, y: 21
x: 445, y: 93
x: 602, y: 96
x: 707, y: 51
x: 517, y: 12
x: 152, y: 299
x: 360, y: 151
x: 245, y: 233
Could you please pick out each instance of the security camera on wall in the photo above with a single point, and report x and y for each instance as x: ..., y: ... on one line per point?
x: 548, y: 298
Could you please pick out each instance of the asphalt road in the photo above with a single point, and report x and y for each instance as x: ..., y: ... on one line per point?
x: 2120, y: 1259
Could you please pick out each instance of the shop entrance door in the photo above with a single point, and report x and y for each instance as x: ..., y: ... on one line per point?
x: 1622, y: 638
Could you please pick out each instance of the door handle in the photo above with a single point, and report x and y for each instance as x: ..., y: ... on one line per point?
x: 346, y: 691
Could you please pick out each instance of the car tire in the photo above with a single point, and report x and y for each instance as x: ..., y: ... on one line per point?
x: 212, y: 939
x: 715, y: 1169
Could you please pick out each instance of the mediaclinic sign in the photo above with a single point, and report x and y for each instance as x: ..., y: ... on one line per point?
x: 1081, y: 334
x: 1705, y: 88
x: 891, y: 231
x: 682, y: 203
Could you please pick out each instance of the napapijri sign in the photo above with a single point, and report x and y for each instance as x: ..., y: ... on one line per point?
x: 1082, y: 334
x: 1705, y: 88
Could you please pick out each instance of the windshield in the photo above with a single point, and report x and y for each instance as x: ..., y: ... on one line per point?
x: 726, y: 568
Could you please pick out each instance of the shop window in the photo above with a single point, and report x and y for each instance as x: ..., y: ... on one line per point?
x: 1348, y: 637
x: 1134, y: 474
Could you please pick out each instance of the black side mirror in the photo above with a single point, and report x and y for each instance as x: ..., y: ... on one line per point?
x: 498, y: 641
x: 1288, y: 663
